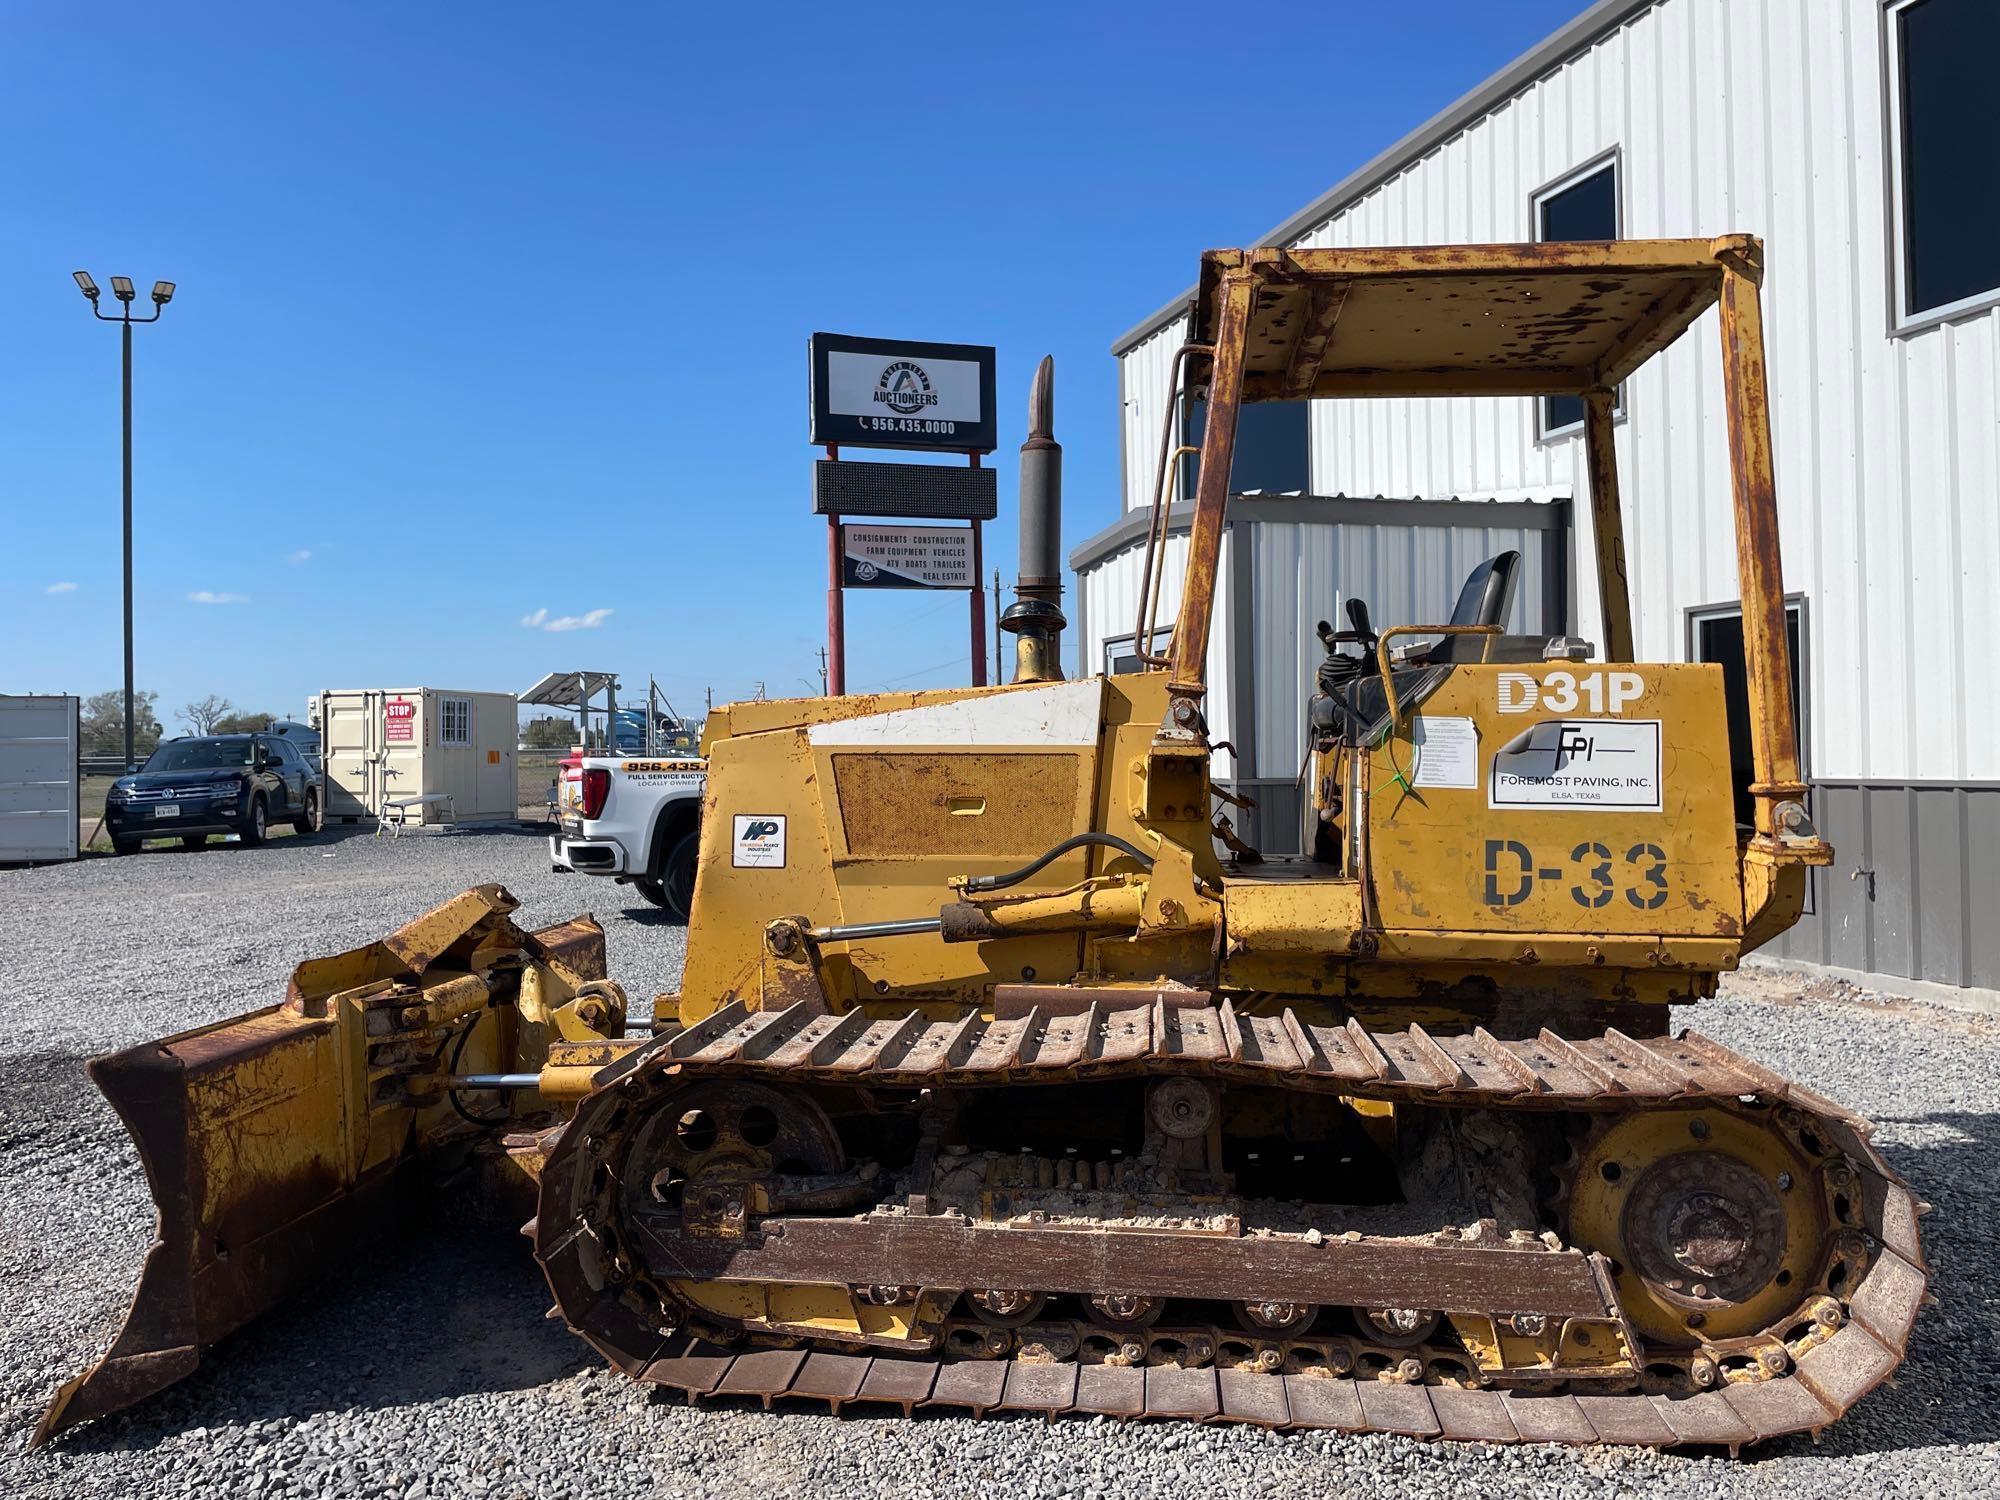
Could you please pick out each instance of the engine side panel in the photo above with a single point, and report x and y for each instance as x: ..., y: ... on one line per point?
x: 872, y: 814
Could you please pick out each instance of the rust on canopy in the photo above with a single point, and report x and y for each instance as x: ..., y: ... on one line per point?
x: 1461, y: 320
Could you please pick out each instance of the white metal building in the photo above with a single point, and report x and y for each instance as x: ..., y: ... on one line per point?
x: 1855, y: 137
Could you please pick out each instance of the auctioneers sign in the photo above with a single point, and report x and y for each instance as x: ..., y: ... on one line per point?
x: 889, y: 393
x: 906, y: 557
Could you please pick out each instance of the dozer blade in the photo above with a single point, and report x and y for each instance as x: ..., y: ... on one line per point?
x: 274, y: 1142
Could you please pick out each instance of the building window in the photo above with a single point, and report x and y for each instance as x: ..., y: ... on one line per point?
x: 1715, y: 634
x: 1580, y: 206
x: 454, y: 721
x: 1120, y: 657
x: 1945, y: 174
x: 1273, y: 448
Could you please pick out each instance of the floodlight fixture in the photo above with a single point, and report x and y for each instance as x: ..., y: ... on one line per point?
x: 163, y: 292
x: 121, y: 288
x: 85, y: 285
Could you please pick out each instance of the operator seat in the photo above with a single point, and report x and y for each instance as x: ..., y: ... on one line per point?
x: 1487, y: 596
x: 1351, y: 702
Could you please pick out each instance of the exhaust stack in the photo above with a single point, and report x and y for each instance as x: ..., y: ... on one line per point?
x: 1036, y: 617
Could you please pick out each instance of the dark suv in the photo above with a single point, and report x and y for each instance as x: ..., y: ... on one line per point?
x: 214, y: 783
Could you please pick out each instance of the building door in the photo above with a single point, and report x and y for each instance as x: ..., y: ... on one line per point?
x: 1716, y: 635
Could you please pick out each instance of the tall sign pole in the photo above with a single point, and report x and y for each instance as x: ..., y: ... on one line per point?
x: 978, y: 597
x: 888, y: 393
x: 836, y: 606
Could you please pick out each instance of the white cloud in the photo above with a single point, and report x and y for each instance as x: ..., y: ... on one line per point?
x: 589, y: 620
x: 207, y: 596
x: 60, y: 588
x: 299, y: 556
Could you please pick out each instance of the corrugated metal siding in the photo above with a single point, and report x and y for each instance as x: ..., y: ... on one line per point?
x: 1307, y: 573
x: 1759, y: 115
x: 1296, y: 573
x: 1928, y: 912
x: 1111, y: 600
x: 1145, y: 370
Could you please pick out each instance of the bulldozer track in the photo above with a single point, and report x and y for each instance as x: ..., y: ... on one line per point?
x: 1261, y: 1045
x: 1274, y: 1044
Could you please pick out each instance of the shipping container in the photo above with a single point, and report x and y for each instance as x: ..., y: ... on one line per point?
x: 39, y: 777
x: 382, y: 746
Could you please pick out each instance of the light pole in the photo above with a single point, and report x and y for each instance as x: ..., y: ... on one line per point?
x: 163, y: 293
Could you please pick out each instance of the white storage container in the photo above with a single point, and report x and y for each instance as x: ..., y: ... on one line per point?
x: 39, y: 777
x: 380, y: 745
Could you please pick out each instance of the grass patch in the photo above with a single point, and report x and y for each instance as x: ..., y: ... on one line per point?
x: 102, y: 844
x: 534, y: 770
x: 90, y: 797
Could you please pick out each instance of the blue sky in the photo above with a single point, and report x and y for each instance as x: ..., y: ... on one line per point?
x: 494, y: 309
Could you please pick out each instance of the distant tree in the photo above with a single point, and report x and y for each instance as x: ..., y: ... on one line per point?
x: 549, y: 733
x: 242, y: 723
x: 103, y: 723
x: 201, y: 715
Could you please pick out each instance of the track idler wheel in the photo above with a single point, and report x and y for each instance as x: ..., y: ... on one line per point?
x: 1720, y: 1225
x: 719, y: 1130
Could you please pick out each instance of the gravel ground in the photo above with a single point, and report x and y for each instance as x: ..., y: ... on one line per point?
x: 430, y: 1373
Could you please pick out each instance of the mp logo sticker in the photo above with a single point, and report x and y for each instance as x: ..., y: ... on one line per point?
x: 759, y: 841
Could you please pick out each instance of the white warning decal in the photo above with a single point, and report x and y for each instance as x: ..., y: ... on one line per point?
x: 759, y: 841
x: 1447, y: 753
x: 1588, y: 764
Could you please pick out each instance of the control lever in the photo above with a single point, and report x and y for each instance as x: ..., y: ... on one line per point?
x: 1362, y: 634
x: 1357, y: 616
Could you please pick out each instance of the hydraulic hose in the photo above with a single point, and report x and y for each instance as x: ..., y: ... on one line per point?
x: 452, y: 1074
x: 1015, y: 877
x: 913, y: 926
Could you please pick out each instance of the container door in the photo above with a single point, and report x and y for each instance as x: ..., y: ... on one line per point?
x: 407, y: 736
x: 38, y: 778
x: 494, y: 732
x: 351, y: 750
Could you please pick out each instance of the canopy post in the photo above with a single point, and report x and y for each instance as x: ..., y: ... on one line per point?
x: 1607, y: 524
x: 1774, y: 741
x: 1189, y: 654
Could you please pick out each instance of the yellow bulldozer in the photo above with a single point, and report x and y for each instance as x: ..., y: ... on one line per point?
x: 1004, y: 1075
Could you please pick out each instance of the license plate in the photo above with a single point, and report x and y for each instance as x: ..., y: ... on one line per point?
x: 167, y: 810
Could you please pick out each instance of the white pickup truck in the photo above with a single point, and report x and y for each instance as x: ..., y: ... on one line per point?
x: 634, y: 818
